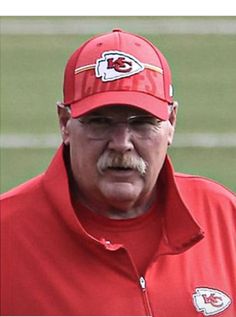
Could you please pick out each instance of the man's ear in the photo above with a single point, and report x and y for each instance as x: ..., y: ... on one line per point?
x: 172, y: 122
x: 64, y: 117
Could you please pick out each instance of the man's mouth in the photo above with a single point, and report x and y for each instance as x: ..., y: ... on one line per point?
x: 120, y: 168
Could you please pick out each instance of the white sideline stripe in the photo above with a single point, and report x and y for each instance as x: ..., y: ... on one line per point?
x: 181, y: 140
x: 94, y: 25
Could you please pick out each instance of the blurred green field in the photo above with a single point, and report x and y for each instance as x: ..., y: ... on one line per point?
x: 204, y: 74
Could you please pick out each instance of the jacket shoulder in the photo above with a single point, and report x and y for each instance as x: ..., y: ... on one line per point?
x: 22, y: 195
x: 200, y: 186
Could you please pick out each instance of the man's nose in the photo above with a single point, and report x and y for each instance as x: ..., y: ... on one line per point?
x: 120, y: 139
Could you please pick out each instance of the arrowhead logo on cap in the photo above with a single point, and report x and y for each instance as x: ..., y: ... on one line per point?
x: 115, y: 65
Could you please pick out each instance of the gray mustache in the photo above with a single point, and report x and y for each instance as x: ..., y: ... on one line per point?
x: 127, y: 160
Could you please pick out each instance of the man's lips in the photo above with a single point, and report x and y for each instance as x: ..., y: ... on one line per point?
x: 120, y: 172
x: 120, y: 168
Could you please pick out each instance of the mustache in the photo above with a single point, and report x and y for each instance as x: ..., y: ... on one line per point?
x: 119, y: 160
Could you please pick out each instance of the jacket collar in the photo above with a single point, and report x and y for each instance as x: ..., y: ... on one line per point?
x: 180, y: 230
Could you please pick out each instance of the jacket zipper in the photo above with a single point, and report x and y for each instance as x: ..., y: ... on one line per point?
x: 142, y: 283
x: 142, y: 280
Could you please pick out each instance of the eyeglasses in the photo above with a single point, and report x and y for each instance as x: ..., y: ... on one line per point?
x: 99, y: 127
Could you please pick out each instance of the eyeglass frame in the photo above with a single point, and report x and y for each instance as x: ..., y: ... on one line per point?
x: 112, y: 122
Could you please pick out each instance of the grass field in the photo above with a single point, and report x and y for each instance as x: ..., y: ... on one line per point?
x: 204, y: 74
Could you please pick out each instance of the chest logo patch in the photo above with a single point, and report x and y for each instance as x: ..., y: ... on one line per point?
x: 210, y: 301
x: 115, y: 64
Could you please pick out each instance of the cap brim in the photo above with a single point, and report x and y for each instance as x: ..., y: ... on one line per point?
x: 149, y: 103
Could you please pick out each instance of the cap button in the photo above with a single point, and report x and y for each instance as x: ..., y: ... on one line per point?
x: 117, y: 30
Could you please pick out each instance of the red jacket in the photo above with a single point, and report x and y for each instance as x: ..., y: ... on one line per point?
x: 51, y: 266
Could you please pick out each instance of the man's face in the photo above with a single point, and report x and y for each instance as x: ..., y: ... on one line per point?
x: 116, y: 164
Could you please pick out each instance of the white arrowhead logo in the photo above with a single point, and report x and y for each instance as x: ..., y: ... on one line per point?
x: 210, y: 301
x: 115, y: 65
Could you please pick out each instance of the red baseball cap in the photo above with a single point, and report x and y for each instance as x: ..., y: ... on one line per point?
x: 118, y: 68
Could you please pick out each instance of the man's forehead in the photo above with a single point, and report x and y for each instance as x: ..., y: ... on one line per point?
x: 118, y: 110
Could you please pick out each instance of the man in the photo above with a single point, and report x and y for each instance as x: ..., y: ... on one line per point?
x: 110, y: 228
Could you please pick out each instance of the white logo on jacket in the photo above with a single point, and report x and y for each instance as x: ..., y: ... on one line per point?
x: 210, y: 301
x: 115, y: 64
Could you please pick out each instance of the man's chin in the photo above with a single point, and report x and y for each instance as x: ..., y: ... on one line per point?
x: 121, y: 192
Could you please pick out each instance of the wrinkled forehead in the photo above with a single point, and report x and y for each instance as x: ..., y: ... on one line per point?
x: 118, y: 111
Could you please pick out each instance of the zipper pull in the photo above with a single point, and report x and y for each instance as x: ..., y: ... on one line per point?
x: 142, y: 283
